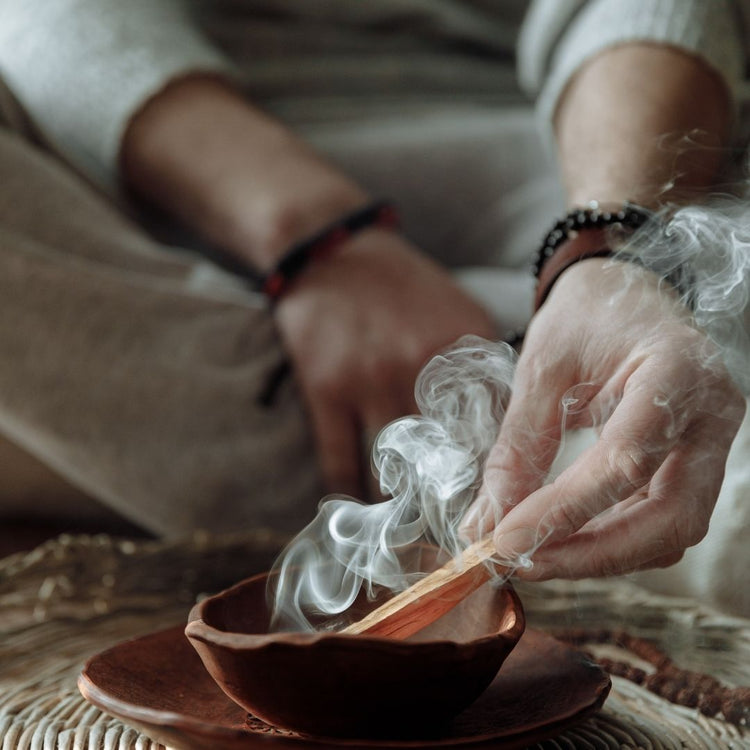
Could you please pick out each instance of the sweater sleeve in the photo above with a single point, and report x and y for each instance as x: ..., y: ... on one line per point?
x: 82, y: 68
x: 558, y: 36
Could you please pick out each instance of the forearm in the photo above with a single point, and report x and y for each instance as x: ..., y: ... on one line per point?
x: 643, y: 123
x: 200, y: 151
x: 81, y: 68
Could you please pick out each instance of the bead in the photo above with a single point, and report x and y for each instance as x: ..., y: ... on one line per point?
x: 628, y: 217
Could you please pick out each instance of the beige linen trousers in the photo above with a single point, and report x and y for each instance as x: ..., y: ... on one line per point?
x: 147, y: 377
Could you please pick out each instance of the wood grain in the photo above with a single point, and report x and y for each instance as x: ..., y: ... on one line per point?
x: 430, y: 598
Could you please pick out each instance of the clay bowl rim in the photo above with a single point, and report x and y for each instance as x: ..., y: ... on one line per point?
x: 198, y: 628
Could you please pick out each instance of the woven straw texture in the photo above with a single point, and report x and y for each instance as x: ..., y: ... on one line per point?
x: 75, y: 596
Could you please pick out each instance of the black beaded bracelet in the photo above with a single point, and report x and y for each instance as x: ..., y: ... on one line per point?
x: 323, y: 243
x: 551, y: 260
x: 630, y: 217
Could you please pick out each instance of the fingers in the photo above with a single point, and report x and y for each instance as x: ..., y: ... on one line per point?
x: 337, y: 438
x: 383, y: 405
x: 651, y: 529
x: 344, y: 436
x: 634, y: 443
x: 383, y: 408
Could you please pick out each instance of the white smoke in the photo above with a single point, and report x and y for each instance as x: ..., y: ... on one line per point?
x: 704, y: 251
x: 429, y: 465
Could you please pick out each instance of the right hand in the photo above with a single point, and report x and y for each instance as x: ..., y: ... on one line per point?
x: 612, y: 347
x: 359, y: 325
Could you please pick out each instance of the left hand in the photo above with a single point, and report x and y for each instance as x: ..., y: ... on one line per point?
x: 358, y: 328
x: 612, y: 348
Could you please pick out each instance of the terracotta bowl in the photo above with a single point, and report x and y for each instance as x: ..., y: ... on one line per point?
x: 328, y: 684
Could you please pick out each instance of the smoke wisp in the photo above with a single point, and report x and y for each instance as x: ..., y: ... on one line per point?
x: 704, y: 250
x: 429, y: 466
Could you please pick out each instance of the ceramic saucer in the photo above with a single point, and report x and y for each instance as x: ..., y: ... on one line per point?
x: 158, y: 684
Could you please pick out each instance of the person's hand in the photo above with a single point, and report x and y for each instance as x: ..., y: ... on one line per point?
x: 611, y: 347
x: 358, y: 327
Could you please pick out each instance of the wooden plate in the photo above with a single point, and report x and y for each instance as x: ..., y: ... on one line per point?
x: 158, y: 684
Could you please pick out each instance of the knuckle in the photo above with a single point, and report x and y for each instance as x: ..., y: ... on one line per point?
x: 566, y: 517
x: 686, y: 534
x: 541, y: 368
x: 600, y: 565
x: 631, y: 466
x: 505, y: 457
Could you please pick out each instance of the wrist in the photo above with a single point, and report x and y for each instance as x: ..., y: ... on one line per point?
x: 244, y: 181
x: 592, y: 232
x: 587, y: 244
x: 330, y: 239
x: 264, y: 233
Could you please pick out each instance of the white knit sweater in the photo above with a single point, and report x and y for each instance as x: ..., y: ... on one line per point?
x: 81, y: 68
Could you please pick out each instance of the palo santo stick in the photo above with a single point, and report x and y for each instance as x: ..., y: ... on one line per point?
x: 430, y: 598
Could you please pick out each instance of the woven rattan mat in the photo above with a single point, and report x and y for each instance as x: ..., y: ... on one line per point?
x: 75, y: 596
